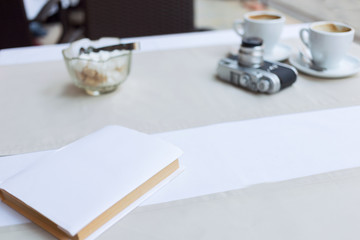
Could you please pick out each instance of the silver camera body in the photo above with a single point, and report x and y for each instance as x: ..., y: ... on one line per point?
x: 248, y: 69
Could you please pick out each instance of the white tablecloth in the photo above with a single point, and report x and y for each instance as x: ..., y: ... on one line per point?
x: 153, y: 99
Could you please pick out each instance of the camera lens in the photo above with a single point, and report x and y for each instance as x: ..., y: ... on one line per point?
x: 251, y: 53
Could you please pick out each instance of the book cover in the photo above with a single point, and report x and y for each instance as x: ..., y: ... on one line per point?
x: 81, y: 189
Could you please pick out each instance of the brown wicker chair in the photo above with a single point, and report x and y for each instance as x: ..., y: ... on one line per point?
x: 133, y: 18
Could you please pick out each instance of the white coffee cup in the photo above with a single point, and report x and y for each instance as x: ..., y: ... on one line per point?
x: 328, y: 42
x: 263, y: 24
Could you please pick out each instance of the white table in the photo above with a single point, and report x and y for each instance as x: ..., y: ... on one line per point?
x: 162, y: 44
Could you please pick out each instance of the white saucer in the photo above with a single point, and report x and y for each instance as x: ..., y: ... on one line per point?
x: 281, y: 52
x: 347, y: 67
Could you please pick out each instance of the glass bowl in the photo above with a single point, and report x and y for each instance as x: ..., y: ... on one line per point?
x: 100, y: 72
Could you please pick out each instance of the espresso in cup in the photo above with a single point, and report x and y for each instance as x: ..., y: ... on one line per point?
x: 266, y: 25
x: 330, y: 27
x: 264, y: 17
x: 328, y: 42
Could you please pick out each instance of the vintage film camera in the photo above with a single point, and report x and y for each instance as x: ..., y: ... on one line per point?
x: 250, y: 71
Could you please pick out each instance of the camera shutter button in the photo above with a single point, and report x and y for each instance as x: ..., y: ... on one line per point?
x: 263, y: 85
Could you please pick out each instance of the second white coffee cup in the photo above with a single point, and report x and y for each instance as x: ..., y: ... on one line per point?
x: 328, y: 42
x: 266, y: 25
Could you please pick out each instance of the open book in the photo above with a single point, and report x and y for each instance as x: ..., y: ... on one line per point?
x: 83, y: 188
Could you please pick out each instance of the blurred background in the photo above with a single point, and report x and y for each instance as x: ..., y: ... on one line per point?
x: 41, y: 22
